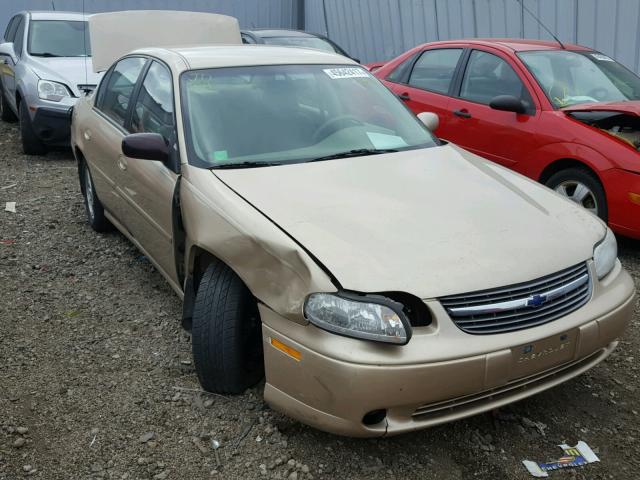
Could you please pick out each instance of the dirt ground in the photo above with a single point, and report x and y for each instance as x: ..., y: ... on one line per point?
x: 96, y: 378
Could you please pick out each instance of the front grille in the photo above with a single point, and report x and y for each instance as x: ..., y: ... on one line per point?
x: 521, y: 306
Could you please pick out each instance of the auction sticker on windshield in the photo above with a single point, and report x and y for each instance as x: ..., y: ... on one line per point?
x: 346, y: 72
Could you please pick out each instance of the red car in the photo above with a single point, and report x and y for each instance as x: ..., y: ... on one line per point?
x: 566, y: 116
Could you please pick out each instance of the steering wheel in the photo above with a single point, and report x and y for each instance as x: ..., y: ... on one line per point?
x: 332, y: 124
x: 599, y: 93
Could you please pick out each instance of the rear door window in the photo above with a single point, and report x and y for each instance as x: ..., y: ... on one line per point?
x: 115, y: 98
x: 435, y: 69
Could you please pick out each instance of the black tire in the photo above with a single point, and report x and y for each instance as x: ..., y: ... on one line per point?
x: 587, y: 178
x: 5, y: 110
x: 92, y: 204
x: 31, y: 144
x: 226, y: 335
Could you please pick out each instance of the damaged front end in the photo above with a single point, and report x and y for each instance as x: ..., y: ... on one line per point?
x: 624, y: 126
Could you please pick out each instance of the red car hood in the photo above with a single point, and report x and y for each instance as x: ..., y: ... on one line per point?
x: 632, y: 107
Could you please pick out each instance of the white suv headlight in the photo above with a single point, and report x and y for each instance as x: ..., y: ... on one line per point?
x: 52, y: 91
x: 605, y: 254
x: 371, y: 317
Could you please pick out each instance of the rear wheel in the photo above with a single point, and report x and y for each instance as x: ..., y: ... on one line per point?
x: 31, y: 144
x: 5, y: 110
x: 226, y: 333
x: 93, y: 206
x: 582, y: 187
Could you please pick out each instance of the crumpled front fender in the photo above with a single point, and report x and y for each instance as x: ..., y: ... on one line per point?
x: 277, y: 270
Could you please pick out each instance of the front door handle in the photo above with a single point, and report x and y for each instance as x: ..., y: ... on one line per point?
x: 87, y: 135
x: 462, y: 113
x: 122, y: 163
x: 5, y: 61
x: 404, y: 96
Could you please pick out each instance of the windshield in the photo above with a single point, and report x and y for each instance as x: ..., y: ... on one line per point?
x: 569, y: 78
x: 58, y: 38
x: 305, y: 42
x: 292, y: 113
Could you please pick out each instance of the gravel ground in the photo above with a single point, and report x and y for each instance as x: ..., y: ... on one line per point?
x: 96, y: 379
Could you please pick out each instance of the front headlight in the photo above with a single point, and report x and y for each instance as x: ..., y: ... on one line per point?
x: 371, y: 317
x: 52, y: 91
x: 605, y: 254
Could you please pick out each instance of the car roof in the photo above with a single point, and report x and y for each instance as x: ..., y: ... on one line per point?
x: 55, y: 15
x: 514, y: 44
x: 268, y: 32
x: 216, y: 56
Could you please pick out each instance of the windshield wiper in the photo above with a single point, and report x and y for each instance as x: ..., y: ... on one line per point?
x: 45, y: 54
x: 360, y: 152
x: 245, y: 165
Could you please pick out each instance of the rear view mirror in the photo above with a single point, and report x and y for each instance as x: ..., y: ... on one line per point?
x: 430, y: 120
x: 146, y: 146
x: 508, y: 103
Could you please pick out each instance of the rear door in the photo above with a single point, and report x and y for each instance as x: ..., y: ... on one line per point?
x: 504, y: 137
x: 426, y: 84
x: 148, y: 186
x: 105, y: 130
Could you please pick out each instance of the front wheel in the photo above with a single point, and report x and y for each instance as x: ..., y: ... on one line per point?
x: 31, y: 144
x: 226, y: 334
x: 582, y: 187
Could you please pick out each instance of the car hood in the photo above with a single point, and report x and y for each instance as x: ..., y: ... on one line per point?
x: 632, y: 107
x: 72, y: 71
x: 429, y: 222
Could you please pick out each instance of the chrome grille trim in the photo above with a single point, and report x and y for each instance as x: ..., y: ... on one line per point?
x: 521, y: 306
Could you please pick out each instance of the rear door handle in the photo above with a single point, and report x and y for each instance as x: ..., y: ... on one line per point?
x: 462, y: 113
x: 5, y: 61
x: 404, y: 96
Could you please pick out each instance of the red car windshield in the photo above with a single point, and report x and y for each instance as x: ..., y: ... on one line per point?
x: 570, y: 78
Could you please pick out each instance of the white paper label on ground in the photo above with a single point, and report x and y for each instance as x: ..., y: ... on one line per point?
x: 346, y: 72
x: 10, y: 207
x: 601, y: 57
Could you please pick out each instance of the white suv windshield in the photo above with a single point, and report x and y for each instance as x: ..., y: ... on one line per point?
x: 58, y: 38
x: 292, y: 113
x: 569, y: 78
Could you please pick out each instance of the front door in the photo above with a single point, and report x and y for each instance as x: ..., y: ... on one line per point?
x: 148, y: 186
x: 503, y: 137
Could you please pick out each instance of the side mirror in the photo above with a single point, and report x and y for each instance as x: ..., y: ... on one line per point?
x: 146, y: 146
x: 508, y: 103
x: 430, y: 120
x: 8, y: 50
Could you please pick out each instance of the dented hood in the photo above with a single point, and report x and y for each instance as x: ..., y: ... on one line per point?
x: 430, y: 222
x: 632, y: 107
x: 118, y: 33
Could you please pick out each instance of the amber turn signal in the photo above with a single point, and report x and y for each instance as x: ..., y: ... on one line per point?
x: 292, y: 352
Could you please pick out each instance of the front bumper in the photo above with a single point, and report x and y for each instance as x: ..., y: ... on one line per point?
x: 443, y: 374
x: 53, y: 125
